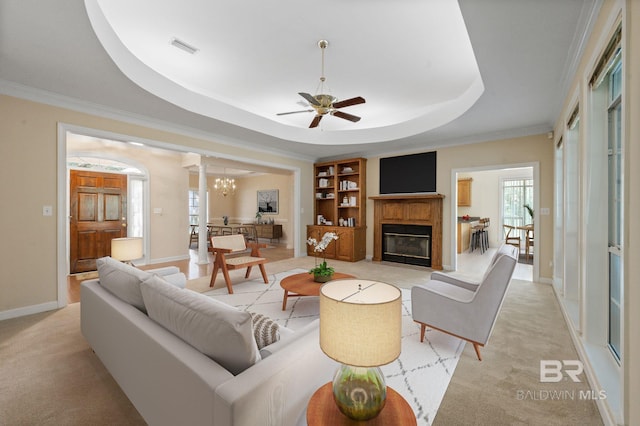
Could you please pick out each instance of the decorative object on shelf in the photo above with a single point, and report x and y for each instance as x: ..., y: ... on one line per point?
x: 126, y: 249
x: 225, y: 185
x: 258, y: 216
x: 322, y: 272
x: 352, y: 333
x: 225, y: 220
x: 268, y: 201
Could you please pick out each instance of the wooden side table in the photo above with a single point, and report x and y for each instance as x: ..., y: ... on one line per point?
x: 323, y: 411
x: 303, y: 285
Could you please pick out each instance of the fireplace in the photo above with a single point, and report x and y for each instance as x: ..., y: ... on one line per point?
x: 407, y: 244
x: 420, y: 210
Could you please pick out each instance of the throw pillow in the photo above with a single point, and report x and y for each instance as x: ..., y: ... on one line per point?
x: 221, y: 332
x: 179, y: 279
x: 122, y: 280
x: 265, y: 330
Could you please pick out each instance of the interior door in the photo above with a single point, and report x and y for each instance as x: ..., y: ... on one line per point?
x: 98, y: 213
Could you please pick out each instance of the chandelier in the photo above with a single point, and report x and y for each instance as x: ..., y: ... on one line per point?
x: 225, y: 186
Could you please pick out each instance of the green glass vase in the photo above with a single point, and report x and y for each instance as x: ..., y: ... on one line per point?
x: 359, y: 392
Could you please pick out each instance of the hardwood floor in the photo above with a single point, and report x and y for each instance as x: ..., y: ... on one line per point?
x: 189, y: 267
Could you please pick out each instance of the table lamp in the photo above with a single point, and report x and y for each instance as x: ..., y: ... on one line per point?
x: 360, y: 327
x: 126, y: 249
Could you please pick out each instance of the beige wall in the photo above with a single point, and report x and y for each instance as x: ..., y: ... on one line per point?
x: 612, y: 12
x: 632, y: 230
x: 29, y: 172
x: 503, y: 153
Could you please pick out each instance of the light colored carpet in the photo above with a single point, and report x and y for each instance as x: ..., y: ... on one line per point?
x: 422, y: 372
x: 50, y: 376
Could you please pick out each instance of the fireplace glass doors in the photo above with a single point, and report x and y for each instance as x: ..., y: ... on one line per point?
x: 407, y: 244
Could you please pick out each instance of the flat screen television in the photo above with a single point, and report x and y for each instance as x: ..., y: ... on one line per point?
x: 408, y: 174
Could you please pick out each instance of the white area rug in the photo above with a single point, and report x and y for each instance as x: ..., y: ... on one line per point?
x: 422, y: 372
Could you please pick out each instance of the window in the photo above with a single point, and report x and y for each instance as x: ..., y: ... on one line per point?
x: 516, y: 194
x: 614, y: 154
x: 194, y: 207
x: 136, y: 206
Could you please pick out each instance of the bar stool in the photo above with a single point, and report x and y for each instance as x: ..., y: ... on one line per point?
x: 485, y: 222
x: 474, y: 228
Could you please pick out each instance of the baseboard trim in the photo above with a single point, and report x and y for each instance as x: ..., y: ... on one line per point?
x: 166, y: 259
x: 604, y: 407
x: 28, y: 310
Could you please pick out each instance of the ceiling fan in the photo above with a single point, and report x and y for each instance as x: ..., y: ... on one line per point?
x: 324, y: 104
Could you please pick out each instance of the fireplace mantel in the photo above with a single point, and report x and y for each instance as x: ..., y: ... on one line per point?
x: 409, y: 209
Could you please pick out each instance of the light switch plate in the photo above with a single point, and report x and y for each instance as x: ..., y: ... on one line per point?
x: 47, y: 210
x: 544, y: 211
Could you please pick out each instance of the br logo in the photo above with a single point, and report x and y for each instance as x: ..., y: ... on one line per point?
x: 553, y: 370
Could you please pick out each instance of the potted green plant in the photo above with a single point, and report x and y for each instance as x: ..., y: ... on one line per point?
x: 529, y: 210
x: 322, y: 272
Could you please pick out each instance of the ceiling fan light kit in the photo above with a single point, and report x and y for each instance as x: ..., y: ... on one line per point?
x: 324, y: 104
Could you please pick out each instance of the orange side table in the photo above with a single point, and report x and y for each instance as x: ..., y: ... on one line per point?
x: 323, y: 411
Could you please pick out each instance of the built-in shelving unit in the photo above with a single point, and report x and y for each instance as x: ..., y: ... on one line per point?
x: 340, y: 206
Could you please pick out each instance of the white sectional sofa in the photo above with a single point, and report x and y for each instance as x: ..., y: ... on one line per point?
x: 171, y: 382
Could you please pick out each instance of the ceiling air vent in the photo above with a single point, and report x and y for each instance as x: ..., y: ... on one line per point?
x: 184, y: 46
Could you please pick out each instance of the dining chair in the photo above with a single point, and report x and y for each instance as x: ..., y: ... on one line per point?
x: 529, y: 241
x: 510, y: 239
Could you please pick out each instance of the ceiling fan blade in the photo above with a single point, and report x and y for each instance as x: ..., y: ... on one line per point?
x: 346, y: 116
x: 309, y: 98
x: 315, y: 122
x: 294, y: 112
x: 349, y: 102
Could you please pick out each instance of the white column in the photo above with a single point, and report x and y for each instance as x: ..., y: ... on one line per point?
x: 203, y: 244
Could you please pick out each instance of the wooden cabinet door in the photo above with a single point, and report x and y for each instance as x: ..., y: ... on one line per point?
x: 98, y: 212
x: 344, y: 246
x: 464, y: 192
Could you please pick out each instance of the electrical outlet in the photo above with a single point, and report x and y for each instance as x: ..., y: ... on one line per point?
x: 544, y: 211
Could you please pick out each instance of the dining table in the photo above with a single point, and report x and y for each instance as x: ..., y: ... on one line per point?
x: 232, y: 228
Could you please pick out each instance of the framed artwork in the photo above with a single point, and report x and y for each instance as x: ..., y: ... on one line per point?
x: 268, y: 201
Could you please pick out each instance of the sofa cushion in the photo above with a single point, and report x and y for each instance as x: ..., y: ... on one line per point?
x: 178, y: 280
x: 122, y: 280
x: 220, y: 331
x: 265, y: 330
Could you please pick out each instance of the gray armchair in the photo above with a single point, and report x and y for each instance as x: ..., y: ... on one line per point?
x: 465, y: 309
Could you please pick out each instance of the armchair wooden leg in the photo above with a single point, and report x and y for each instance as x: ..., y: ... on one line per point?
x: 264, y: 273
x: 214, y: 274
x: 477, y: 348
x: 246, y: 275
x: 227, y: 280
x: 423, y: 327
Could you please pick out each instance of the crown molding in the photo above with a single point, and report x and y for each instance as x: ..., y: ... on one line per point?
x: 57, y: 100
